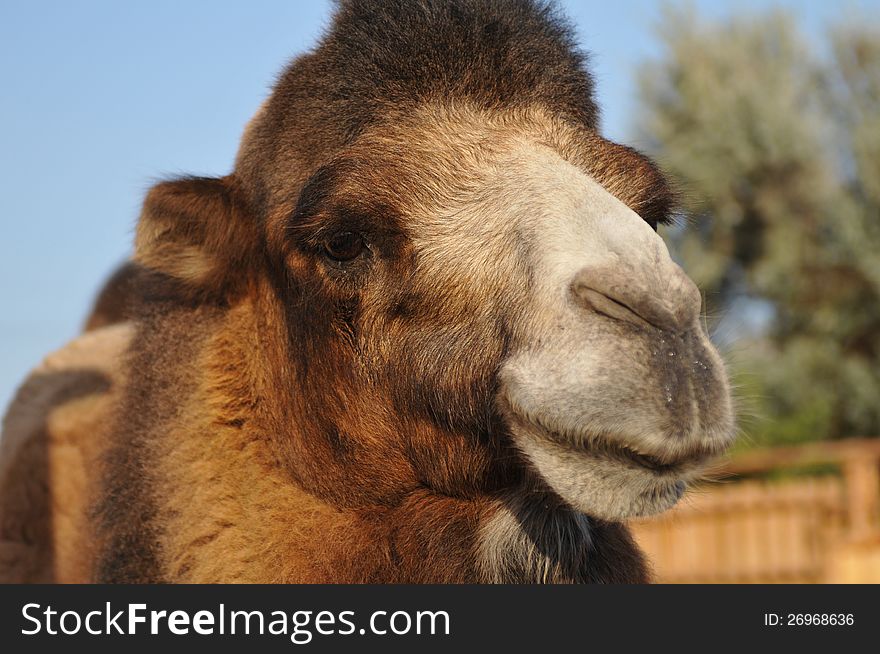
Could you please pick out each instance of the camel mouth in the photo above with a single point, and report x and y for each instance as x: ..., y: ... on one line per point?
x: 613, y: 450
x: 604, y: 447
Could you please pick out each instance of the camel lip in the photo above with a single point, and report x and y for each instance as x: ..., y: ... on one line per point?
x: 599, y: 445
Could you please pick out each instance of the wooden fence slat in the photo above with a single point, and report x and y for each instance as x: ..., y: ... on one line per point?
x: 775, y: 531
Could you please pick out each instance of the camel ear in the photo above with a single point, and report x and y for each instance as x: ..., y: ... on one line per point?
x: 634, y: 179
x: 194, y: 231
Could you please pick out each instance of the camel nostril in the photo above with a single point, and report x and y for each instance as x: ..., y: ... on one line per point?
x: 608, y: 306
x: 669, y: 302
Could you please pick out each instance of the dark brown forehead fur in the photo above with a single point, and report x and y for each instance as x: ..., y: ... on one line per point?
x: 382, y: 56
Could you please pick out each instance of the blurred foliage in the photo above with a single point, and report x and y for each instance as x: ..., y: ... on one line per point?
x: 775, y: 143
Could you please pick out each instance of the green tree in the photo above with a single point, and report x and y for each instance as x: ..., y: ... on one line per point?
x: 777, y: 151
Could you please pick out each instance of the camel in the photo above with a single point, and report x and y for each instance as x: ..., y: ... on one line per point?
x: 425, y: 331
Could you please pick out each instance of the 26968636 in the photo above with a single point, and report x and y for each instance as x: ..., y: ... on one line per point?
x: 808, y: 619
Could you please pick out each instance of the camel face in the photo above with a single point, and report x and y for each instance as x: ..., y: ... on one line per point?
x: 495, y: 276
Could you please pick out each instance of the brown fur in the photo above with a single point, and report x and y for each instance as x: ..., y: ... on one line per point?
x: 288, y: 420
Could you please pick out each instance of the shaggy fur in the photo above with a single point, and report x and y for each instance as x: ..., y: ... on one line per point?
x: 285, y: 415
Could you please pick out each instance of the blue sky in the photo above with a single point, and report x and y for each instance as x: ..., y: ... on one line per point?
x: 101, y: 99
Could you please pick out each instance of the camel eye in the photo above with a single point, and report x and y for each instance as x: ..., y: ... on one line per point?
x: 344, y: 246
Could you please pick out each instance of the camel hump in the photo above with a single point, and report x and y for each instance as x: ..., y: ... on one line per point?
x: 113, y: 303
x: 54, y: 433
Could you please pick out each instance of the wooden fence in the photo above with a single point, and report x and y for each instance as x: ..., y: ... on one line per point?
x: 752, y: 528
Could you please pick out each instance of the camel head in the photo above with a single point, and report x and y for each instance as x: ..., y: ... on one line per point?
x: 452, y: 279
